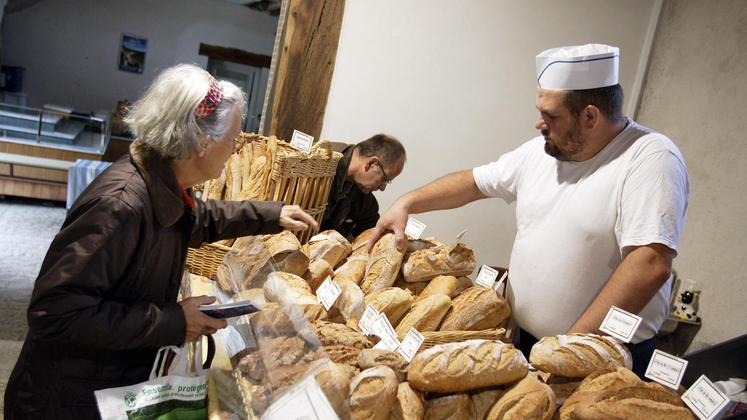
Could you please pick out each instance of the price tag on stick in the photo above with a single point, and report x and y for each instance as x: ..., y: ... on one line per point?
x: 367, y: 319
x: 666, y: 369
x: 414, y: 228
x: 410, y: 344
x: 487, y: 276
x: 620, y: 324
x: 302, y: 141
x: 706, y: 401
x: 384, y: 330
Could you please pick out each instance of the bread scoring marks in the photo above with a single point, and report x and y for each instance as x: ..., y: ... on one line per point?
x: 605, y: 348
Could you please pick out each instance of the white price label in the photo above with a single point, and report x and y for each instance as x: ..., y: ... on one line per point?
x: 303, y: 401
x: 410, y: 344
x: 328, y: 292
x: 234, y: 341
x: 414, y: 228
x: 705, y: 399
x: 384, y: 330
x: 620, y: 324
x: 666, y: 369
x: 301, y: 141
x: 487, y: 276
x: 367, y: 319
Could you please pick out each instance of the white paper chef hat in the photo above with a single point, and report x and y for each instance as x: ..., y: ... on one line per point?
x: 578, y: 67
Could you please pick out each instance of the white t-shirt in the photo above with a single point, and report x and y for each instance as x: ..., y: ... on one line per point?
x: 575, y: 218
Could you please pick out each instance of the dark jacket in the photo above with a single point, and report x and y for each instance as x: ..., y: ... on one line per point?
x: 105, y: 298
x: 349, y: 211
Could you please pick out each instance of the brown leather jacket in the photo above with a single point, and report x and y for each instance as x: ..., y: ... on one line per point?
x: 105, y: 298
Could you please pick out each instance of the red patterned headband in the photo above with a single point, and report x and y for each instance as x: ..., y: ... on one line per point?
x: 211, y: 101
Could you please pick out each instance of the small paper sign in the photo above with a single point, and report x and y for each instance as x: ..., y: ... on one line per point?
x: 328, y: 292
x: 305, y: 400
x: 410, y: 344
x: 234, y: 341
x: 301, y: 141
x: 666, y: 369
x: 620, y: 324
x: 384, y: 330
x: 367, y: 319
x: 414, y: 228
x: 705, y: 399
x: 487, y: 276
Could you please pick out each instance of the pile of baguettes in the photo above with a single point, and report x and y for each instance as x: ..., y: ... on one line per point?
x: 422, y: 287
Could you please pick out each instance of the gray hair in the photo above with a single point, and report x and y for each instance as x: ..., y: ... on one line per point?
x: 164, y: 118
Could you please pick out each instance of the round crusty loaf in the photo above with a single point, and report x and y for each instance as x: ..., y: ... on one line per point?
x: 369, y: 358
x: 383, y: 265
x: 392, y: 301
x: 578, y: 355
x: 445, y: 285
x: 641, y: 401
x: 471, y: 364
x: 476, y: 308
x: 372, y: 393
x: 426, y: 264
x: 612, y: 377
x: 334, y: 382
x: 481, y: 401
x: 425, y: 315
x: 448, y: 407
x: 408, y: 405
x: 529, y: 399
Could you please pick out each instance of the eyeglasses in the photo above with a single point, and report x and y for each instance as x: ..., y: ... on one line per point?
x: 386, y: 177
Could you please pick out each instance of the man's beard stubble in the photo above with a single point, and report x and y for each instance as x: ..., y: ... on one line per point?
x: 575, y: 141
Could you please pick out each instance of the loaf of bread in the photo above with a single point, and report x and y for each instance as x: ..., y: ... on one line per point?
x: 360, y: 243
x: 334, y: 382
x: 353, y: 269
x: 448, y: 407
x: 529, y: 399
x: 445, y: 285
x: 415, y: 288
x: 286, y: 253
x: 391, y: 301
x: 467, y: 365
x: 344, y: 354
x: 424, y: 315
x: 243, y: 265
x: 372, y: 393
x: 477, y: 308
x: 426, y: 264
x: 578, y: 355
x: 408, y: 405
x: 328, y: 245
x: 288, y: 289
x: 383, y: 265
x: 463, y: 283
x: 319, y: 270
x: 562, y: 387
x: 368, y: 358
x: 645, y: 400
x: 256, y: 296
x: 482, y: 400
x: 330, y: 333
x: 350, y: 303
x: 612, y: 377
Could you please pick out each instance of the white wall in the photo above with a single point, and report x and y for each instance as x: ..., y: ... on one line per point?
x: 695, y: 93
x: 455, y: 81
x: 70, y: 47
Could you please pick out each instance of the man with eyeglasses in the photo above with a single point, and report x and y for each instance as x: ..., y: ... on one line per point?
x: 365, y: 167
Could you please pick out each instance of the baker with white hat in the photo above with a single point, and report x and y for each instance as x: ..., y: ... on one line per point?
x: 601, y: 203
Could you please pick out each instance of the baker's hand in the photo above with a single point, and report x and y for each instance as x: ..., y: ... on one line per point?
x: 395, y: 219
x: 294, y: 218
x: 199, y: 324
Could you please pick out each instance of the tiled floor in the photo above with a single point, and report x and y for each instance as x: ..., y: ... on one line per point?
x: 26, y: 229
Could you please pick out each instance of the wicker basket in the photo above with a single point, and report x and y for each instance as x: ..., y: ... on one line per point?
x: 433, y: 338
x: 204, y: 261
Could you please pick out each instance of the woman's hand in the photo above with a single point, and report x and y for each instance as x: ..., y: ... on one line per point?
x: 294, y: 218
x: 199, y: 324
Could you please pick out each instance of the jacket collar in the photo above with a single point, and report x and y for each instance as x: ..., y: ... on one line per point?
x: 163, y: 188
x: 341, y: 183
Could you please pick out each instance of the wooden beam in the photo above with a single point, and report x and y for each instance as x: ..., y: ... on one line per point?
x: 305, y: 62
x: 235, y: 55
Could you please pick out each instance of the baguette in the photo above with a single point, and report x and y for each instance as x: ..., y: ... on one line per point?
x: 578, y: 355
x: 529, y: 399
x: 353, y: 269
x: 383, y: 265
x: 477, y: 308
x: 425, y: 315
x: 467, y: 365
x: 445, y: 285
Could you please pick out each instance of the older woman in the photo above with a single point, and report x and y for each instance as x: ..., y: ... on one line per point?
x: 105, y: 298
